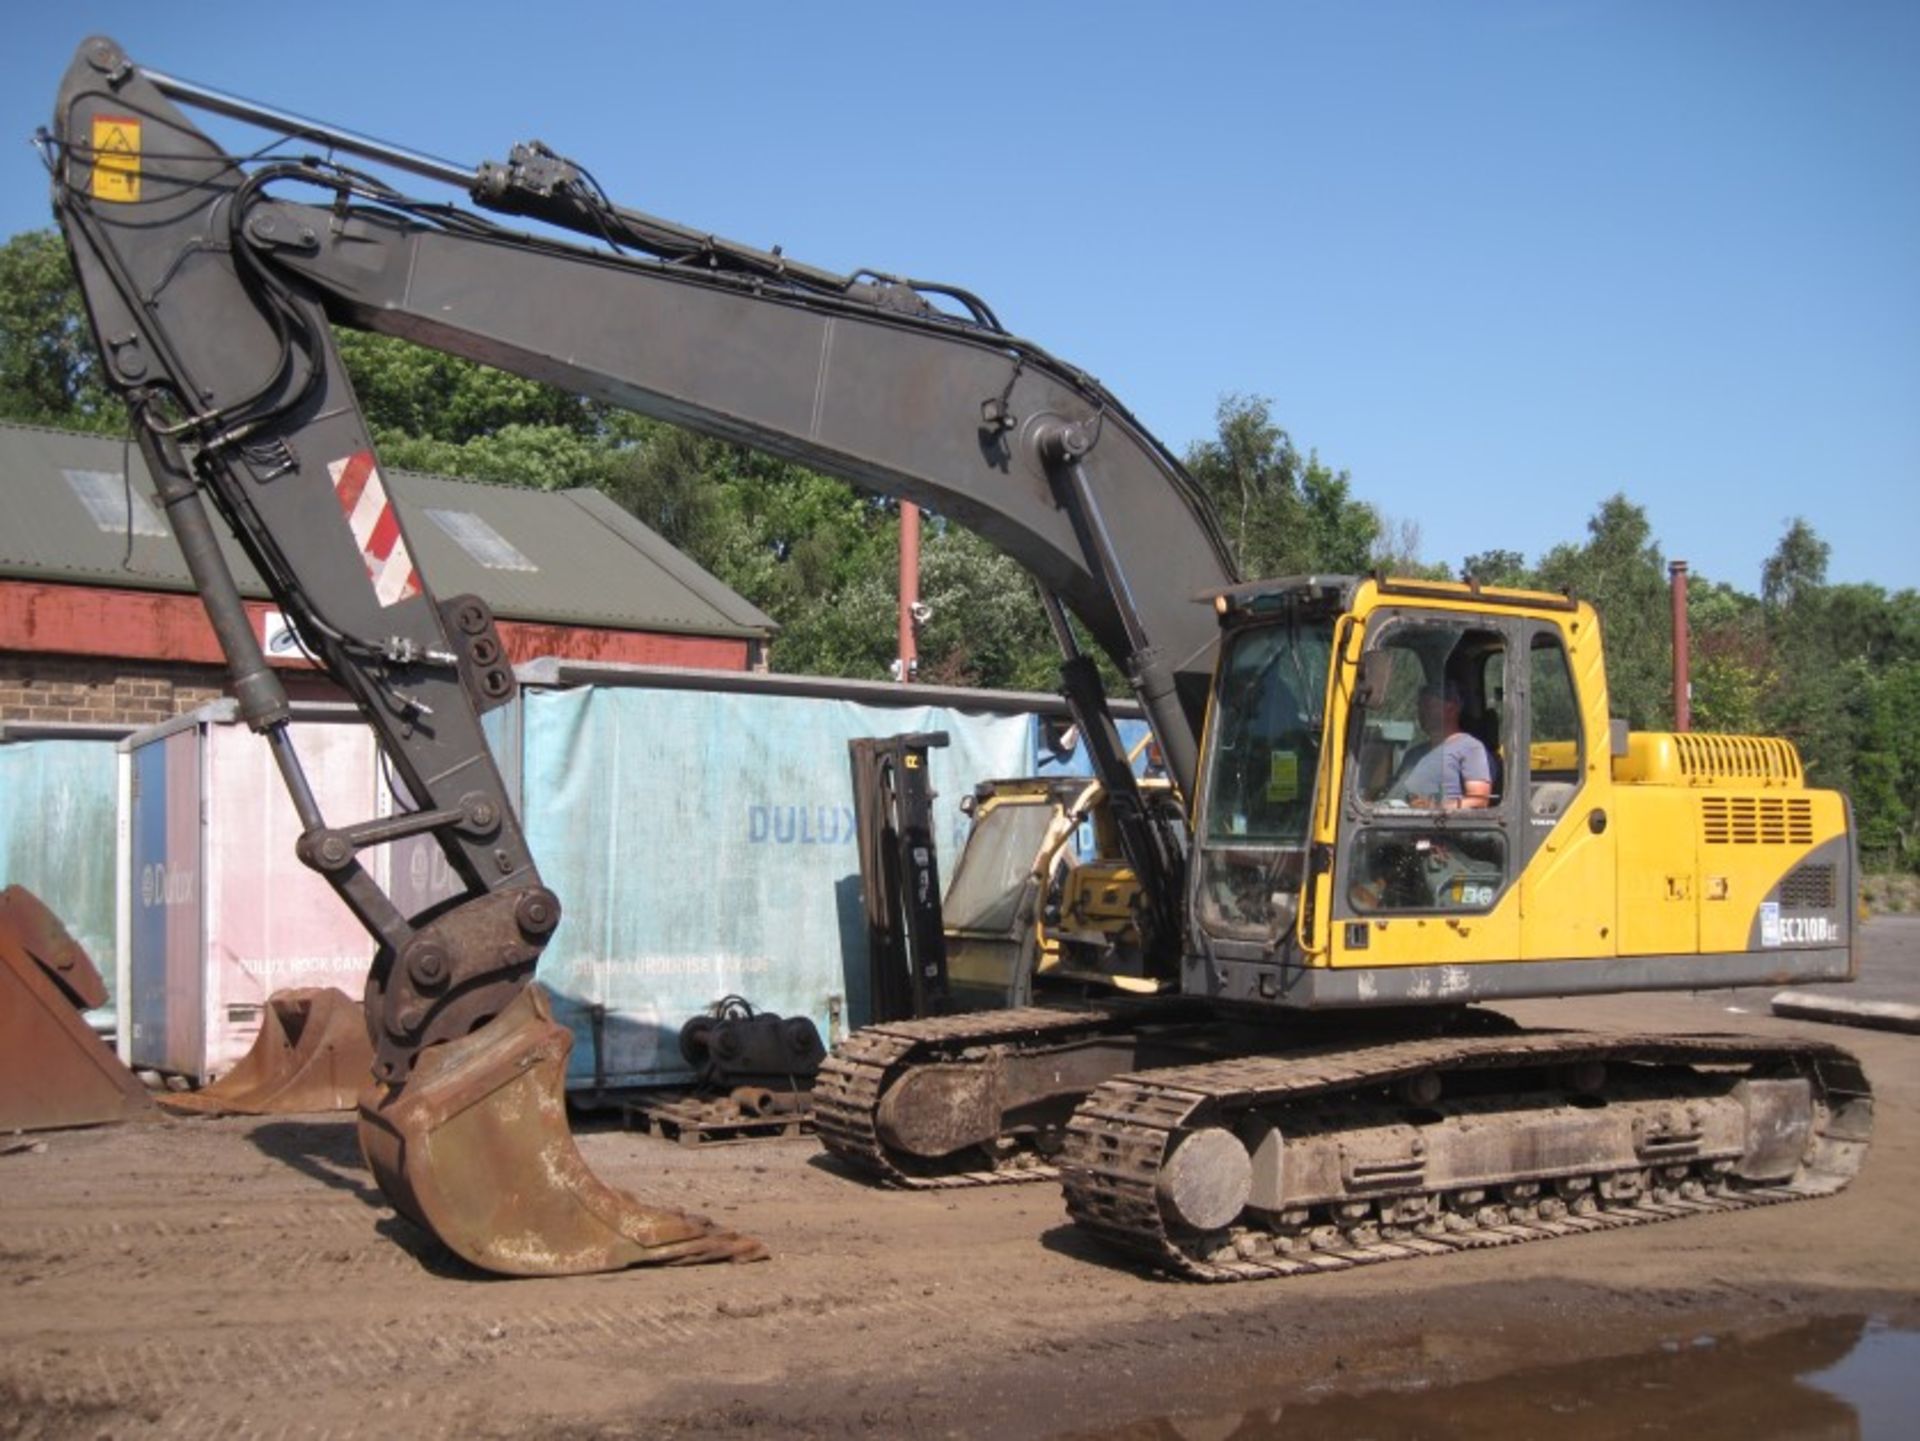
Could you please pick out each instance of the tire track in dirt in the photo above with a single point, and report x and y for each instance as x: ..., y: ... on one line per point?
x: 335, y: 1240
x: 208, y: 1381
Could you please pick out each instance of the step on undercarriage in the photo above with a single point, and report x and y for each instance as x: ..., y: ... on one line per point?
x: 1271, y: 1166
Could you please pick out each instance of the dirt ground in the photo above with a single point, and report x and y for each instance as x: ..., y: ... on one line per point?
x: 236, y: 1277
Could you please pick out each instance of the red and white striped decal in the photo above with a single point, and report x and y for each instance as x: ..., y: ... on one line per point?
x: 376, y: 529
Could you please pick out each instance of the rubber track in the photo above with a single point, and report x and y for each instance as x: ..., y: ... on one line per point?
x: 846, y: 1094
x: 1119, y: 1136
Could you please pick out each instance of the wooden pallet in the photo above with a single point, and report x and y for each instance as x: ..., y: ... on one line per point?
x: 695, y: 1120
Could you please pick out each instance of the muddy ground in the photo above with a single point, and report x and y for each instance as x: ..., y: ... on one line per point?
x: 236, y: 1277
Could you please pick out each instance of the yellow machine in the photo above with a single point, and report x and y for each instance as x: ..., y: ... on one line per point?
x: 1040, y: 893
x: 1301, y: 1084
x: 1601, y: 860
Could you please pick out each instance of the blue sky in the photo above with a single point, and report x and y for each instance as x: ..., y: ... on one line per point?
x: 1498, y: 260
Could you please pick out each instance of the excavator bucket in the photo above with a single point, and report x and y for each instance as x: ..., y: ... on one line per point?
x: 475, y: 1150
x: 312, y: 1054
x: 54, y: 1071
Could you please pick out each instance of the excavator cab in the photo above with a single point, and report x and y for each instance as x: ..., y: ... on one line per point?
x: 1326, y: 792
x: 1262, y: 761
x: 1339, y: 864
x: 1382, y: 761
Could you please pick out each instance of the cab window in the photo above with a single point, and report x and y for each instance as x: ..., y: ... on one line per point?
x: 1261, y: 765
x: 1429, y: 769
x: 1553, y: 727
x: 1435, y: 737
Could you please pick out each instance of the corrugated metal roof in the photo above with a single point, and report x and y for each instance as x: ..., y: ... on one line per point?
x: 571, y: 557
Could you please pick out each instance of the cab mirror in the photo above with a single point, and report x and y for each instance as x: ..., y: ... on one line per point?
x: 1376, y: 671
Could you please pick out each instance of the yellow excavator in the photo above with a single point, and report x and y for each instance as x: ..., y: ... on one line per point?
x: 1254, y: 1047
x: 1337, y: 1101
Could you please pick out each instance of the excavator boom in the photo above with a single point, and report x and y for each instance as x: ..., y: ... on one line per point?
x: 213, y: 281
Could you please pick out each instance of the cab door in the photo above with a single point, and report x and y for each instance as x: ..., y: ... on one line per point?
x: 1417, y: 884
x: 1567, y: 837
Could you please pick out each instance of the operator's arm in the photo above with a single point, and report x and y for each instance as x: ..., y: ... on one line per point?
x: 1468, y: 757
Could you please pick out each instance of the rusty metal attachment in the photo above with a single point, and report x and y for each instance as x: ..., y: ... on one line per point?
x: 475, y: 1149
x: 54, y: 1071
x: 745, y: 1114
x: 312, y: 1054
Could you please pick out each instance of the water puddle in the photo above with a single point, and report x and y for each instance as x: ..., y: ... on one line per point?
x: 1826, y: 1380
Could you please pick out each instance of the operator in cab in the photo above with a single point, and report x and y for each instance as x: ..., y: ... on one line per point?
x: 1450, y: 770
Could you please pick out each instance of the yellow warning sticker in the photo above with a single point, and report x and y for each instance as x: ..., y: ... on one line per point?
x: 116, y: 158
x: 1283, y: 776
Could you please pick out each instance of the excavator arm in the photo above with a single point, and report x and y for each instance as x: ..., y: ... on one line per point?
x: 212, y: 281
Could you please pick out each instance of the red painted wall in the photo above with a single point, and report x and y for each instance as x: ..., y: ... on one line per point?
x: 146, y: 625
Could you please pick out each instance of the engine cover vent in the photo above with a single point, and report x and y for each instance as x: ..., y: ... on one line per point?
x: 1808, y: 888
x: 1757, y: 821
x: 1757, y: 758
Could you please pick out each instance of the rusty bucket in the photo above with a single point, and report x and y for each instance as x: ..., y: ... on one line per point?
x: 475, y: 1149
x: 54, y: 1071
x: 312, y: 1054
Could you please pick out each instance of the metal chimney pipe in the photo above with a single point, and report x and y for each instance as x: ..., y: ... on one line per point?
x: 909, y: 587
x: 1682, y: 660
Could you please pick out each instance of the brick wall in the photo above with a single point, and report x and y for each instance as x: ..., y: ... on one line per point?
x: 100, y: 691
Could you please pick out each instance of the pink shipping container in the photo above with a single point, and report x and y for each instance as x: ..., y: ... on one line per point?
x: 216, y: 912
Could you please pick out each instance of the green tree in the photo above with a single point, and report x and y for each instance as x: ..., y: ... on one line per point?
x: 1732, y: 666
x: 1396, y: 550
x: 658, y: 473
x: 986, y: 626
x: 1886, y: 767
x: 1797, y: 567
x: 1498, y: 567
x: 1844, y: 686
x: 540, y: 457
x: 816, y: 555
x: 1820, y: 652
x: 1620, y: 570
x: 410, y: 390
x: 49, y: 365
x: 1283, y: 512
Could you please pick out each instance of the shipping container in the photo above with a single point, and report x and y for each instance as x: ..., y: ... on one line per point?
x: 220, y: 914
x: 697, y: 826
x: 703, y: 846
x: 58, y: 819
x: 1057, y: 750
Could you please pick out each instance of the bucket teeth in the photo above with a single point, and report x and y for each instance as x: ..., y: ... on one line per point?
x: 476, y: 1151
x: 312, y: 1054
